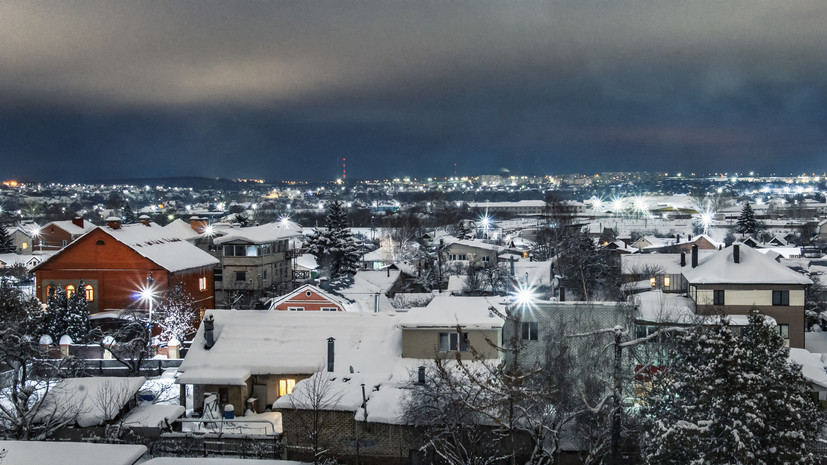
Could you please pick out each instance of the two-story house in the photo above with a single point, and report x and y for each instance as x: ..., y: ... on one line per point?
x: 737, y: 279
x: 59, y: 234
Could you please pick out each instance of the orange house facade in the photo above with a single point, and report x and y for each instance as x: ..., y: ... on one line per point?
x: 308, y: 298
x: 114, y: 263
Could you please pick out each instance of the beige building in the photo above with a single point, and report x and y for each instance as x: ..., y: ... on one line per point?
x: 738, y: 279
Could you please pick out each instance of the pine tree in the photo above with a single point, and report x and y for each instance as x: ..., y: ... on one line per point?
x: 335, y: 248
x: 746, y: 222
x: 128, y: 214
x: 729, y: 399
x: 6, y: 241
x: 177, y: 314
x: 66, y: 316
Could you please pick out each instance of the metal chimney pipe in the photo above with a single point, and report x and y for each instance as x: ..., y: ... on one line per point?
x: 421, y: 375
x: 209, y: 337
x: 694, y: 255
x: 330, y: 353
x: 736, y: 253
x: 683, y: 259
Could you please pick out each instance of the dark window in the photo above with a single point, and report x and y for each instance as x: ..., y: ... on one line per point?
x: 241, y: 276
x: 218, y: 275
x: 784, y: 331
x: 223, y: 395
x: 453, y: 342
x: 718, y: 297
x: 237, y: 251
x: 781, y: 298
x: 100, y: 243
x: 529, y: 330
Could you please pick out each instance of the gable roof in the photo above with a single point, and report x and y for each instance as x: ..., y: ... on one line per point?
x: 253, y: 342
x: 260, y: 234
x: 72, y: 228
x: 153, y: 243
x: 304, y: 289
x: 753, y: 268
x: 447, y: 311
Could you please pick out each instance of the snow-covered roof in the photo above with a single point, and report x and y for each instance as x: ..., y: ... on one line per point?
x: 366, y: 285
x: 657, y: 307
x: 149, y: 415
x: 93, y: 400
x: 450, y: 240
x: 669, y: 263
x: 267, y: 342
x: 816, y: 342
x: 811, y: 366
x: 70, y: 453
x: 307, y: 262
x: 753, y: 268
x: 303, y: 289
x: 72, y: 228
x: 216, y: 461
x: 182, y: 230
x: 785, y: 252
x: 447, y: 311
x: 156, y: 244
x: 262, y: 234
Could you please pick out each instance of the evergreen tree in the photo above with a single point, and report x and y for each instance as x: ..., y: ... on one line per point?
x: 335, y: 248
x: 746, y: 222
x: 66, y: 316
x: 729, y: 399
x: 128, y: 214
x: 6, y: 242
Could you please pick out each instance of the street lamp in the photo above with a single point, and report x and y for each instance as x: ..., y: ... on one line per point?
x: 36, y: 236
x: 148, y: 295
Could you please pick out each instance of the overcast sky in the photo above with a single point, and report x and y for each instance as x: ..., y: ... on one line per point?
x: 282, y: 89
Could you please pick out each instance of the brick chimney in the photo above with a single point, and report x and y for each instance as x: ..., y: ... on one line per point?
x: 144, y: 219
x: 114, y: 222
x: 77, y: 221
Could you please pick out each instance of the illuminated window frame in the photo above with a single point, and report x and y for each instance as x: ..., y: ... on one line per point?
x: 286, y: 386
x: 69, y: 291
x: 90, y: 292
x: 667, y: 281
x: 202, y: 284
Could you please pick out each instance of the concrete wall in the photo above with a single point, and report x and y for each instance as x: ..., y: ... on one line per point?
x: 424, y: 343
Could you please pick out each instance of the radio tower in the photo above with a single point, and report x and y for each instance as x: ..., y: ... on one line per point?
x: 344, y: 168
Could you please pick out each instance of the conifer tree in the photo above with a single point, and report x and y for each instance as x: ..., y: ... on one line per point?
x: 128, y: 214
x: 335, y: 248
x: 66, y: 315
x: 729, y: 399
x: 6, y: 241
x: 746, y: 222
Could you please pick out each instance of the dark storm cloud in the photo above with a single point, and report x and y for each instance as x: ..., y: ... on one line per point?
x: 96, y: 89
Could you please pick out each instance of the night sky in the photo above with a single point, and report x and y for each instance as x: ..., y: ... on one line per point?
x: 283, y: 89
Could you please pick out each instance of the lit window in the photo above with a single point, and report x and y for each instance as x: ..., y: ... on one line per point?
x: 69, y: 291
x: 90, y: 292
x: 666, y: 281
x: 653, y: 281
x: 286, y: 386
x: 202, y: 284
x: 25, y: 245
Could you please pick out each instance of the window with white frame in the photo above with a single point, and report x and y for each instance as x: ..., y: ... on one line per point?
x: 202, y: 284
x: 529, y: 330
x: 453, y: 342
x: 295, y: 309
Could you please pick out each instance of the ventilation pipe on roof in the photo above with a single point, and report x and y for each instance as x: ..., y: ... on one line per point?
x: 736, y: 253
x: 113, y: 222
x: 562, y: 294
x: 376, y: 303
x: 77, y: 221
x: 420, y: 378
x: 330, y: 353
x: 209, y: 336
x: 694, y: 255
x: 511, y: 261
x: 683, y: 259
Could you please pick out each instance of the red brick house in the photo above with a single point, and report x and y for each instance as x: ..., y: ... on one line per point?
x: 308, y: 298
x: 114, y: 262
x: 59, y: 234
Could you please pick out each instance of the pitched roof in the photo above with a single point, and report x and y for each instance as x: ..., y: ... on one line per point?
x: 260, y: 234
x: 753, y: 268
x: 307, y: 288
x: 72, y: 228
x: 156, y: 244
x: 447, y: 311
x: 252, y: 342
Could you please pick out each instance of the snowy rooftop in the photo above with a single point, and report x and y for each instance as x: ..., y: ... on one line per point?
x: 70, y: 453
x: 668, y: 263
x: 93, y: 400
x: 811, y: 366
x: 290, y: 343
x: 216, y: 461
x: 447, y: 311
x: 72, y: 228
x: 181, y: 229
x: 156, y: 244
x: 657, y: 307
x: 366, y: 285
x: 450, y: 240
x: 262, y: 234
x: 753, y: 268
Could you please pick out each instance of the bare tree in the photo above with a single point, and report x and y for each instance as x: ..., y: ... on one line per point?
x: 311, y: 401
x: 128, y: 344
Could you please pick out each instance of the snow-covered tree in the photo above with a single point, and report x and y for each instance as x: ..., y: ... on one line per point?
x: 177, y: 313
x: 335, y: 248
x: 591, y: 271
x: 747, y: 224
x: 66, y: 315
x: 729, y: 399
x: 128, y: 214
x: 6, y: 242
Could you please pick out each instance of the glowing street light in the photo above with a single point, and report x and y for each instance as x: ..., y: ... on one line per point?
x: 148, y: 295
x: 524, y: 295
x: 706, y: 219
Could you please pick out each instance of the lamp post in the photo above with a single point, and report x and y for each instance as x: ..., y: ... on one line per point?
x: 148, y: 294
